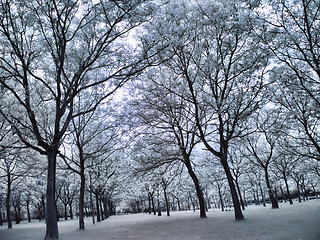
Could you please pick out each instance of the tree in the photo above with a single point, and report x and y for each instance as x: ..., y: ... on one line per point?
x: 165, y: 119
x: 261, y: 147
x: 292, y: 34
x: 52, y: 52
x: 215, y: 53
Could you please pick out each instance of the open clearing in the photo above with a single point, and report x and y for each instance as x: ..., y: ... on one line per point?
x: 301, y: 221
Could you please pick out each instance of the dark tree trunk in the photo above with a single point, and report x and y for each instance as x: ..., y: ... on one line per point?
x: 65, y: 211
x: 81, y: 198
x: 167, y: 202
x: 235, y: 199
x: 221, y: 200
x: 71, y: 212
x: 239, y: 192
x: 288, y: 191
x: 262, y: 195
x: 198, y: 188
x: 179, y: 207
x: 153, y: 206
x: 97, y: 206
x: 28, y: 209
x: 298, y: 189
x: 283, y: 194
x: 149, y: 203
x: 159, y: 210
x: 273, y: 199
x: 101, y: 209
x: 51, y: 212
x: 8, y: 201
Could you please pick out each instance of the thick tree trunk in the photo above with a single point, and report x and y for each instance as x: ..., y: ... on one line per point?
x: 273, y: 199
x: 51, y: 212
x: 8, y: 201
x: 235, y: 199
x: 198, y: 188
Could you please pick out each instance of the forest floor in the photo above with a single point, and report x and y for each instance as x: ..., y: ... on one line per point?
x: 300, y: 221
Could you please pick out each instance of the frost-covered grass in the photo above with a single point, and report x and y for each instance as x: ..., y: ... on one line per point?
x: 296, y: 222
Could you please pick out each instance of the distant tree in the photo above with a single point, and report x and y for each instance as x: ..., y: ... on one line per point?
x: 262, y: 147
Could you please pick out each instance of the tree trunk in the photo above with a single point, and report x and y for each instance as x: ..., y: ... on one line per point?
x: 71, y: 212
x: 28, y: 209
x: 167, y: 202
x: 153, y: 206
x: 65, y: 211
x: 198, y: 188
x: 239, y: 192
x: 273, y: 199
x: 149, y: 203
x: 159, y: 210
x: 8, y: 201
x: 262, y: 195
x: 81, y: 199
x: 221, y: 200
x: 51, y: 212
x: 97, y: 206
x: 179, y: 207
x: 101, y: 209
x: 288, y: 192
x: 235, y: 199
x: 298, y: 189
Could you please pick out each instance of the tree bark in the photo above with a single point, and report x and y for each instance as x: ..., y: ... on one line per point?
x: 51, y: 212
x: 97, y: 206
x: 273, y: 199
x: 28, y: 209
x: 221, y: 200
x: 239, y: 192
x: 288, y: 192
x: 235, y: 199
x: 167, y: 202
x: 8, y: 201
x: 198, y: 189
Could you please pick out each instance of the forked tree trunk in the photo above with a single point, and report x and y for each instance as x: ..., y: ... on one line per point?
x: 51, y: 212
x: 235, y: 199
